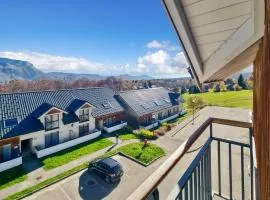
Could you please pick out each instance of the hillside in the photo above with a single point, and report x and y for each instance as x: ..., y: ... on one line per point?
x: 17, y: 69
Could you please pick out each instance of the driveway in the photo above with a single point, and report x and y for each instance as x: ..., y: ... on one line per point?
x: 89, y: 186
x: 86, y: 185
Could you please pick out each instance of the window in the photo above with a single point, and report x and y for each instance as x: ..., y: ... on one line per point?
x: 84, y: 115
x: 51, y: 122
x: 6, y: 152
x: 84, y: 129
x: 51, y: 139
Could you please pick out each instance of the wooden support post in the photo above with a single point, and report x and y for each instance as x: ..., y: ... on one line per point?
x: 262, y: 109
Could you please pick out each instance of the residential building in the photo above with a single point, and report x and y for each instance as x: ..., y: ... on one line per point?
x: 147, y: 108
x: 45, y: 122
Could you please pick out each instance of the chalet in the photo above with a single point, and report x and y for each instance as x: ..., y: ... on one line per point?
x: 45, y: 122
x: 146, y: 108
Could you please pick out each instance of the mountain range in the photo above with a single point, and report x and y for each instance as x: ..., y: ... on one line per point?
x: 18, y: 69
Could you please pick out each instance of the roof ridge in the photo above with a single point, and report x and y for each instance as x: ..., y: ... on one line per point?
x: 35, y: 91
x: 136, y: 90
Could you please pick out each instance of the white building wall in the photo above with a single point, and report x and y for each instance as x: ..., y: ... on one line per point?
x: 10, y: 164
x: 38, y: 138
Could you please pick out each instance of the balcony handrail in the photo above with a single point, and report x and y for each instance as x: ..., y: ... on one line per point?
x: 152, y: 182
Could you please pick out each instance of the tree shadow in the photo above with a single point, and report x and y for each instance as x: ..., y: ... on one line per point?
x: 93, y: 186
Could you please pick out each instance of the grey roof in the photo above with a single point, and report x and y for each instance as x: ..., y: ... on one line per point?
x: 25, y: 106
x: 146, y: 101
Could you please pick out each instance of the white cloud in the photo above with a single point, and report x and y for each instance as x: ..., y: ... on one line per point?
x: 49, y: 63
x: 157, y: 58
x: 154, y: 45
x: 166, y: 45
x: 161, y: 63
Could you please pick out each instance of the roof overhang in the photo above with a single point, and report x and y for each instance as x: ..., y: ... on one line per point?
x: 219, y: 37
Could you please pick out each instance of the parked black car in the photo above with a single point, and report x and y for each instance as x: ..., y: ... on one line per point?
x: 108, y: 167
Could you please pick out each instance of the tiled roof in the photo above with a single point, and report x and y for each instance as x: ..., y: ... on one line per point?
x: 150, y: 100
x: 22, y: 105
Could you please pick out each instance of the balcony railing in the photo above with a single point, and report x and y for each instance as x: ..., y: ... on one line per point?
x: 204, y: 178
x: 114, y: 126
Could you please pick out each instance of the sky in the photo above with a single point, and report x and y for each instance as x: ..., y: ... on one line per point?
x: 88, y: 36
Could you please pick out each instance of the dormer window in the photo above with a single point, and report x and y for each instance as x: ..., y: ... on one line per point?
x: 84, y: 115
x: 51, y: 122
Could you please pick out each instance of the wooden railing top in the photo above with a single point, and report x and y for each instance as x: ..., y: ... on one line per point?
x: 152, y: 182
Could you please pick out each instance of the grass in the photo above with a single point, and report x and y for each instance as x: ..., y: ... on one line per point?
x: 137, y: 150
x: 12, y: 176
x: 63, y: 157
x: 240, y: 99
x: 125, y: 133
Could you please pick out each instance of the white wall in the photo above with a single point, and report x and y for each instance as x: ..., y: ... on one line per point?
x: 115, y: 128
x: 10, y: 164
x: 38, y: 138
x: 71, y: 143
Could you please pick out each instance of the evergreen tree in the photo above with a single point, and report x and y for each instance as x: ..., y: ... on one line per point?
x: 241, y: 82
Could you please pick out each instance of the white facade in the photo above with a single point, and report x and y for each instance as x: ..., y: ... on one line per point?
x: 65, y: 145
x: 67, y: 134
x: 10, y: 164
x: 115, y: 128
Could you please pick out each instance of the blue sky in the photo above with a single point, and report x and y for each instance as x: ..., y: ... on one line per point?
x: 105, y: 37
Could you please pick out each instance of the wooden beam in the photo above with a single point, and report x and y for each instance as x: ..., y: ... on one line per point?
x: 261, y: 99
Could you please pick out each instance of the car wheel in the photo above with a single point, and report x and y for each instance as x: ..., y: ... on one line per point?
x: 107, y: 179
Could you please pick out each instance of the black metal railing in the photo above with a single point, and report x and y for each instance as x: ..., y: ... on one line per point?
x: 206, y: 176
x: 196, y: 183
x: 109, y: 125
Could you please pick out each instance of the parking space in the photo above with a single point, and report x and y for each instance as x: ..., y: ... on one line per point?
x: 86, y: 185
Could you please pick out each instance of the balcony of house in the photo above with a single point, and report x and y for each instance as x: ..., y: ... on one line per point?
x: 53, y: 144
x: 168, y: 117
x: 109, y: 128
x: 208, y: 165
x: 151, y: 124
x: 10, y: 158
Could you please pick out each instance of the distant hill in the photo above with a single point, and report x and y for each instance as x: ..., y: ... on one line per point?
x: 17, y: 69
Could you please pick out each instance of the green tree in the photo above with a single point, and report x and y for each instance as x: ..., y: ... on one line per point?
x: 194, y: 103
x: 241, y: 82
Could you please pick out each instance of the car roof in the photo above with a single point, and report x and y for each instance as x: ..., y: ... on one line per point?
x: 109, y: 162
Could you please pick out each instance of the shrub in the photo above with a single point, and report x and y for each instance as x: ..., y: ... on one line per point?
x: 237, y: 87
x: 146, y: 134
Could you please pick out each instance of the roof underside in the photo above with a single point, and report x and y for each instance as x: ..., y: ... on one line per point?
x: 219, y: 36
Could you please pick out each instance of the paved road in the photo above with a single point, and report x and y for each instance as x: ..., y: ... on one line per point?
x: 88, y: 186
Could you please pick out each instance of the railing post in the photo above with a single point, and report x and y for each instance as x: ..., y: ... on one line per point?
x: 211, y: 130
x: 251, y: 162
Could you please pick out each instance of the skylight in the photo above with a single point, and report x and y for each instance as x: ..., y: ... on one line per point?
x: 167, y: 100
x: 11, y: 122
x: 107, y: 105
x: 158, y: 103
x: 145, y: 106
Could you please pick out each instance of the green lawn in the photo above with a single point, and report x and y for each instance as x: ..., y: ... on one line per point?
x: 141, y: 153
x: 125, y: 133
x: 11, y: 177
x: 62, y: 157
x: 240, y: 99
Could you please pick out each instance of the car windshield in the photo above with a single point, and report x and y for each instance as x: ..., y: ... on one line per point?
x: 116, y: 169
